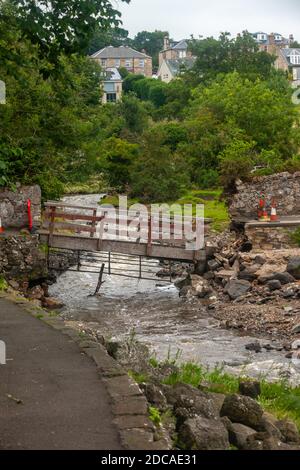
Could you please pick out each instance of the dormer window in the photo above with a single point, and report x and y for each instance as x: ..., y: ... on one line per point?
x: 295, y: 59
x: 261, y: 37
x: 278, y: 37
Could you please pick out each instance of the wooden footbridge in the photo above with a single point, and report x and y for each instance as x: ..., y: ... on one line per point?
x: 110, y: 233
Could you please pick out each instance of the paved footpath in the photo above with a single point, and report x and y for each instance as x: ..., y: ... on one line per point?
x: 64, y: 401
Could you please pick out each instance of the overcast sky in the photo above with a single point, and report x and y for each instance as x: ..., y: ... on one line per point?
x: 208, y: 17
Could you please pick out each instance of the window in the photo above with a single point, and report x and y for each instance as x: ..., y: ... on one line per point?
x: 128, y: 63
x: 295, y: 59
x: 278, y: 37
x: 182, y: 54
x: 262, y: 37
x: 142, y: 64
x: 111, y: 97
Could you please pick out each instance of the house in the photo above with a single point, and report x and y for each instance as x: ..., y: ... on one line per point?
x: 174, y: 50
x: 112, y: 85
x: 289, y: 60
x: 172, y: 68
x: 124, y: 57
x: 271, y: 42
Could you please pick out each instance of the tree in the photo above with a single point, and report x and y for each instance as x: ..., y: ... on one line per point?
x: 117, y: 159
x: 151, y: 42
x: 134, y: 113
x: 158, y: 175
x: 265, y: 115
x: 66, y: 26
x: 227, y: 55
x: 49, y: 127
x: 114, y: 36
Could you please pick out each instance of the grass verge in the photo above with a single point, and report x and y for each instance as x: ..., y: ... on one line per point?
x: 214, y: 207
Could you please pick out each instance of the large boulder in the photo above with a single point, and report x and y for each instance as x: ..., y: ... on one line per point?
x: 289, y: 431
x: 237, y: 288
x: 200, y: 433
x: 189, y: 402
x: 294, y: 267
x: 242, y: 409
x: 238, y: 435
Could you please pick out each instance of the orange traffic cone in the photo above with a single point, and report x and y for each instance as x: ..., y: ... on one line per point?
x: 1, y: 228
x: 274, y: 216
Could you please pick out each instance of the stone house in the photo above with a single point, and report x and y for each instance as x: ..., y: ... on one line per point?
x: 112, y: 86
x: 287, y: 58
x: 174, y: 59
x: 174, y: 50
x: 172, y: 68
x: 124, y: 57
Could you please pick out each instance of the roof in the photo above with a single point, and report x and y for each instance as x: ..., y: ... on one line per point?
x: 181, y: 45
x: 112, y: 75
x: 267, y: 42
x: 122, y: 52
x: 287, y: 52
x: 176, y: 65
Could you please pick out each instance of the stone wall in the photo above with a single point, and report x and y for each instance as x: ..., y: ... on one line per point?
x: 22, y: 257
x: 13, y: 206
x: 285, y: 187
x: 270, y: 238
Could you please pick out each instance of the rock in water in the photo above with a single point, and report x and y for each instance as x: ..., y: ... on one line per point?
x: 241, y: 409
x: 204, y: 434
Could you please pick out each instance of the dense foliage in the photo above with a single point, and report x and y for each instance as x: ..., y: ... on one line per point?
x: 231, y: 114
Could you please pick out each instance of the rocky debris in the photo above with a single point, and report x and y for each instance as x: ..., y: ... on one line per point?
x: 296, y: 329
x: 294, y: 267
x: 204, y: 434
x: 250, y: 388
x: 237, y: 288
x: 242, y: 409
x: 274, y: 285
x: 52, y: 304
x: 256, y: 347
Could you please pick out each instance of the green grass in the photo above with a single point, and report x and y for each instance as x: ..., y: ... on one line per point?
x: 94, y: 185
x: 3, y: 284
x: 278, y: 398
x: 155, y: 416
x: 214, y: 208
x: 138, y: 378
x: 295, y: 237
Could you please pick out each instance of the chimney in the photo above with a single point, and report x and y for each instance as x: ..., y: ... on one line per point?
x: 272, y: 39
x: 166, y: 43
x: 291, y: 38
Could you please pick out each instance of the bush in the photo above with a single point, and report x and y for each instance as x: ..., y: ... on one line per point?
x: 158, y: 175
x: 236, y: 161
x: 207, y: 178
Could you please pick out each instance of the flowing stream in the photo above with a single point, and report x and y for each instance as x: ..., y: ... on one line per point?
x: 169, y: 325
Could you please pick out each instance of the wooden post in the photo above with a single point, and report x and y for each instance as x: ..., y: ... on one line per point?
x: 149, y: 236
x: 94, y: 223
x: 100, y: 281
x: 52, y: 224
x: 109, y: 263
